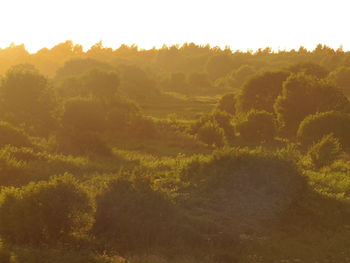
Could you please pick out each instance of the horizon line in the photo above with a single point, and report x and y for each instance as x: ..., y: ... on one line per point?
x: 269, y: 49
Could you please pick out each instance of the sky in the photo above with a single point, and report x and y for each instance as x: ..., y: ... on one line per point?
x: 240, y: 24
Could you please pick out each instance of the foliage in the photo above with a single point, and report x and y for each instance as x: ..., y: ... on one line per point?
x: 84, y: 115
x: 315, y: 126
x: 25, y: 97
x: 79, y: 66
x: 256, y: 186
x: 133, y: 215
x: 212, y: 134
x: 45, y: 212
x: 219, y: 65
x: 325, y: 151
x: 309, y: 68
x: 227, y: 103
x: 100, y: 83
x: 260, y: 91
x: 257, y: 127
x: 303, y: 95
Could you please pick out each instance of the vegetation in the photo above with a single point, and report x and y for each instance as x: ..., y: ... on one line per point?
x: 180, y: 154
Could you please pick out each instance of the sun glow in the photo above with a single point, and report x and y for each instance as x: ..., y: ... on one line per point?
x: 241, y: 24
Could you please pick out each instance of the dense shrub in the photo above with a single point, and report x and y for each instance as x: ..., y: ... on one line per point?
x: 315, y: 126
x: 303, y: 95
x: 325, y: 152
x: 227, y: 103
x: 129, y: 213
x: 211, y: 134
x: 83, y: 115
x: 26, y: 97
x: 261, y: 91
x: 258, y: 127
x: 45, y: 212
x: 247, y: 188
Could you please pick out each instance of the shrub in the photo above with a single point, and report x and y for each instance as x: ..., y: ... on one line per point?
x: 45, y: 212
x: 212, y: 134
x: 227, y: 103
x: 259, y: 126
x: 325, y: 152
x: 132, y: 215
x: 303, y: 95
x: 83, y: 114
x: 248, y: 188
x: 315, y: 126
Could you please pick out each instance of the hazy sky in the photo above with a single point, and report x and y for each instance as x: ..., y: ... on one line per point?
x: 241, y: 24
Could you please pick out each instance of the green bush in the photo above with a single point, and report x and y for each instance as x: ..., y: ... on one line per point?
x: 131, y: 214
x: 325, y: 152
x: 83, y: 115
x: 259, y: 126
x: 46, y: 212
x: 227, y: 103
x: 315, y: 126
x: 248, y: 188
x: 212, y: 134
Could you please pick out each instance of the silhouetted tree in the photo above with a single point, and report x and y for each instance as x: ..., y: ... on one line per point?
x: 303, y: 95
x: 309, y: 68
x: 258, y: 127
x: 261, y: 91
x: 317, y: 125
x: 26, y: 98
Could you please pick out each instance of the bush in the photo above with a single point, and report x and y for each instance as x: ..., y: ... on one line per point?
x: 46, y: 212
x: 248, y: 188
x: 129, y: 213
x: 227, y: 103
x: 83, y: 114
x: 212, y: 134
x: 315, y: 126
x: 259, y: 126
x: 325, y: 152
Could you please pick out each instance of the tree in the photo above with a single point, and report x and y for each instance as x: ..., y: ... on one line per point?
x: 219, y: 66
x: 101, y: 83
x: 309, y: 68
x: 45, y: 212
x: 25, y: 97
x: 258, y: 126
x: 227, y: 103
x: 261, y: 91
x: 318, y: 125
x: 136, y: 82
x: 341, y: 78
x: 83, y: 115
x: 303, y: 95
x: 79, y: 66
